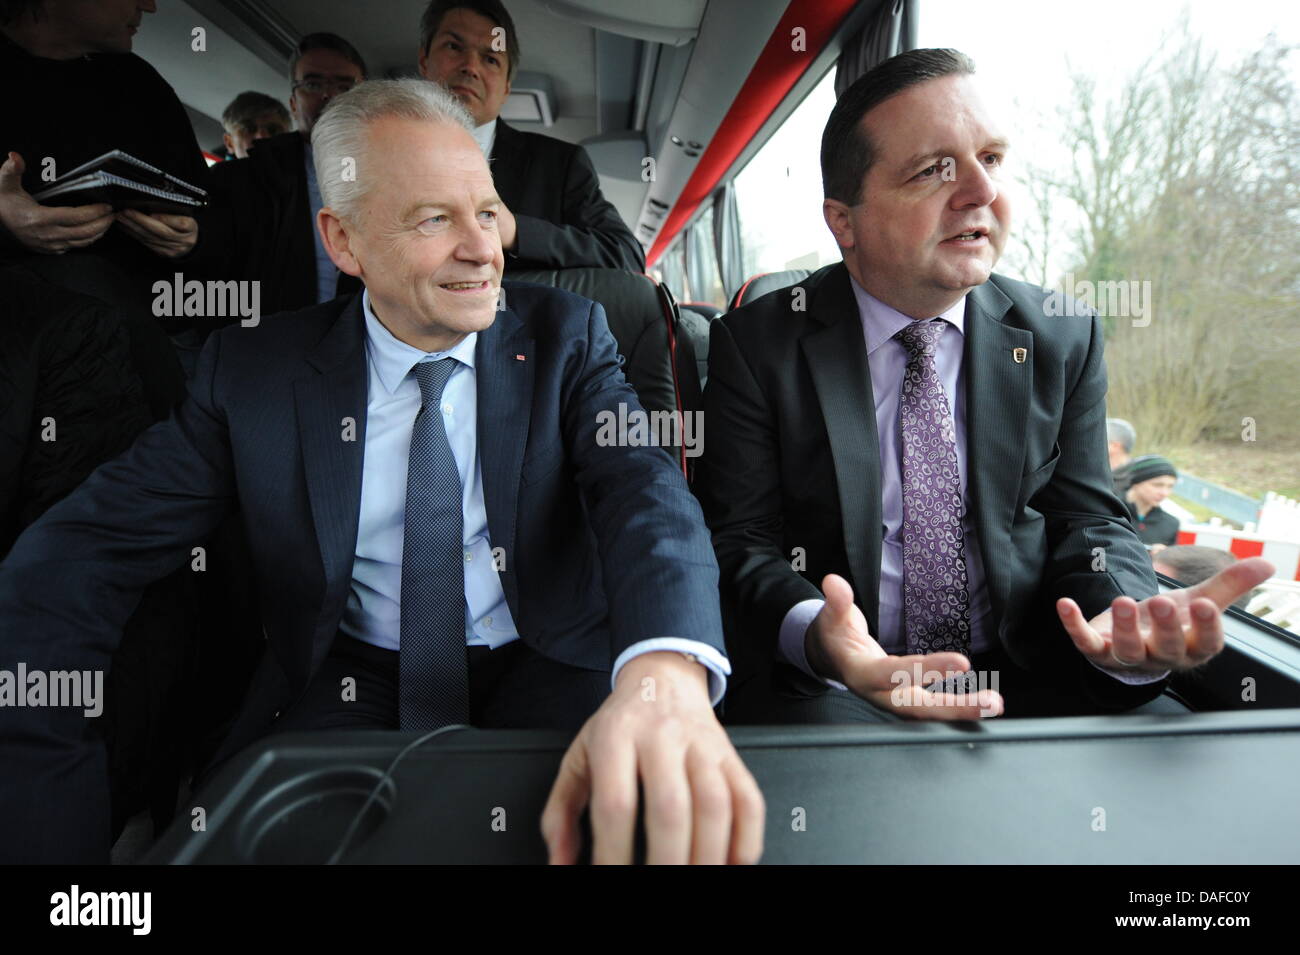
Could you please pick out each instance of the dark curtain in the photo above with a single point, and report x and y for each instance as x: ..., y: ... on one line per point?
x: 697, y: 262
x: 890, y: 32
x: 726, y: 239
x: 673, y: 268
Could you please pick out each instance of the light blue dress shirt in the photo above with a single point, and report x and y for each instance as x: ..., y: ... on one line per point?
x: 887, y: 358
x: 327, y: 274
x: 373, y: 613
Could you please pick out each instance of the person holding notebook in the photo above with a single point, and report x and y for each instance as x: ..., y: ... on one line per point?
x: 79, y: 92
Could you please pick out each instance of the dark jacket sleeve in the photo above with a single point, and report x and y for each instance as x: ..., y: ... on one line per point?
x: 739, y: 483
x: 659, y: 571
x: 592, y: 233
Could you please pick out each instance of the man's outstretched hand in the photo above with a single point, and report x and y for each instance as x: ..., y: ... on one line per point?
x: 840, y: 647
x: 701, y: 803
x: 1177, y: 630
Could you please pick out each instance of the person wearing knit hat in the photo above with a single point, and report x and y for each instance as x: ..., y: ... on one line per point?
x: 1151, y: 480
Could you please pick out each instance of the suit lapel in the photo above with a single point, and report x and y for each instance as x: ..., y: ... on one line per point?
x: 997, y: 403
x: 331, y: 407
x: 503, y: 360
x: 837, y: 361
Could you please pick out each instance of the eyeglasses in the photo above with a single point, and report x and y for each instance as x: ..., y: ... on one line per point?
x: 317, y: 86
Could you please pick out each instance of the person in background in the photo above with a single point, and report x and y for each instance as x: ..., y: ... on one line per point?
x: 267, y: 206
x: 74, y: 91
x: 1120, y: 438
x: 1151, y: 480
x: 87, y: 364
x: 554, y: 214
x: 250, y: 117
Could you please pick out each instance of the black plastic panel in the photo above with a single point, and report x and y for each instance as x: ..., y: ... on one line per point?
x: 1213, y: 787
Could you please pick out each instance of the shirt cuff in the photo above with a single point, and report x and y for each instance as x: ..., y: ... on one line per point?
x: 790, y: 642
x: 714, y: 660
x: 1131, y: 677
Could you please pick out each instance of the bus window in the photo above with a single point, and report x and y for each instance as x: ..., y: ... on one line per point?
x: 702, y: 263
x: 779, y: 192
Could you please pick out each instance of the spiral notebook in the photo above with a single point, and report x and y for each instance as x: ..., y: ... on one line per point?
x: 124, y: 182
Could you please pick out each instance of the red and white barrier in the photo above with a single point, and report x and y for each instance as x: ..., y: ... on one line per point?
x: 1282, y: 554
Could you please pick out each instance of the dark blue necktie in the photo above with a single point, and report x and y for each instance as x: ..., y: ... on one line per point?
x: 434, y: 688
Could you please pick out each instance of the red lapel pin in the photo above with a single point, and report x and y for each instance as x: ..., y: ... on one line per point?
x: 520, y: 358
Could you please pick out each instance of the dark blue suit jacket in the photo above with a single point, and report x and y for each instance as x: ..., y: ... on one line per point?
x: 604, y: 546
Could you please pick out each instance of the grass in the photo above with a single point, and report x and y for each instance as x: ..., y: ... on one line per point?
x: 1250, y: 468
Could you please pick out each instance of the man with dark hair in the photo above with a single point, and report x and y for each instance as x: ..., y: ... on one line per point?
x: 554, y: 215
x: 250, y: 117
x: 322, y: 66
x: 266, y: 208
x: 323, y: 41
x: 906, y: 471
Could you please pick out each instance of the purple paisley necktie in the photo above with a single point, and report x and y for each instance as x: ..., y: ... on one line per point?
x: 936, y: 601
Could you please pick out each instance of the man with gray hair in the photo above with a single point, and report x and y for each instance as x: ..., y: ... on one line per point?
x: 1120, y: 438
x: 430, y: 513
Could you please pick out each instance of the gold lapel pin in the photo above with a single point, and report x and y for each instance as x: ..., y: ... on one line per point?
x: 1020, y: 354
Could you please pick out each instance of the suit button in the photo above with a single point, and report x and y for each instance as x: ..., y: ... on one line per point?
x: 276, y: 716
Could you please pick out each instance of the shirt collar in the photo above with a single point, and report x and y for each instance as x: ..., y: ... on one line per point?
x: 394, y: 359
x: 880, y: 323
x: 485, y: 135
